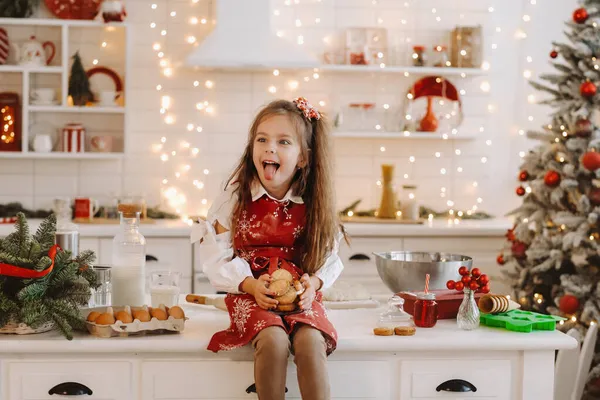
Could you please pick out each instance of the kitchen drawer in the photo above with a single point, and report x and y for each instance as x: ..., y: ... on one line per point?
x: 230, y: 379
x: 33, y: 380
x: 491, y: 378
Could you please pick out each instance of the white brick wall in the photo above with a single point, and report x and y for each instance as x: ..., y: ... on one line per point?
x: 237, y: 95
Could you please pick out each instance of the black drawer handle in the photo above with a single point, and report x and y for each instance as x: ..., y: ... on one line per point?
x: 359, y: 256
x: 151, y: 258
x: 252, y: 389
x: 456, y: 385
x: 70, y: 389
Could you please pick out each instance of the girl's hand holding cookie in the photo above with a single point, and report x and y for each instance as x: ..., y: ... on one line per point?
x: 261, y: 292
x: 307, y: 298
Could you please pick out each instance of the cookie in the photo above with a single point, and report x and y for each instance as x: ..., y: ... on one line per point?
x: 383, y: 331
x: 286, y: 307
x: 288, y: 297
x: 282, y: 274
x: 279, y: 287
x: 404, y: 330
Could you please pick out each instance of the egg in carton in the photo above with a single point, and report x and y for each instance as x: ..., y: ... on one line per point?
x: 125, y: 321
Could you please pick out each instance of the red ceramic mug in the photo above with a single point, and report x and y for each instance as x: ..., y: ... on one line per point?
x: 85, y: 207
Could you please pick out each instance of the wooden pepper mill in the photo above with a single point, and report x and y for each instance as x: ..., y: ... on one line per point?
x: 387, y: 208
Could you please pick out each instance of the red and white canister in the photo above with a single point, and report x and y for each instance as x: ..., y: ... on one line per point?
x: 74, y: 138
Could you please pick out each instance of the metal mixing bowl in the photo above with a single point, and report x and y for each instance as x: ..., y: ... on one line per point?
x: 406, y: 270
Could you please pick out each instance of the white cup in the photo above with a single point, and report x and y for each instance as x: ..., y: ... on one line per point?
x: 42, y: 96
x: 108, y: 97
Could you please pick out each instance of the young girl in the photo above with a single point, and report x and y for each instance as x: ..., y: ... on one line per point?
x: 277, y: 211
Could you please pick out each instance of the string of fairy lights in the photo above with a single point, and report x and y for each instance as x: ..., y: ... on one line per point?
x: 171, y: 152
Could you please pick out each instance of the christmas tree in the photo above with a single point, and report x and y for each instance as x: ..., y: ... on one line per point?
x: 18, y: 8
x: 79, y: 84
x: 552, y: 255
x: 40, y: 283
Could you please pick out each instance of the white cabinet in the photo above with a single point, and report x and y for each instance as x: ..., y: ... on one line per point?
x: 92, y: 379
x: 442, y: 379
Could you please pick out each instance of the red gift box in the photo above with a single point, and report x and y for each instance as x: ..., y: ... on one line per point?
x: 448, y: 302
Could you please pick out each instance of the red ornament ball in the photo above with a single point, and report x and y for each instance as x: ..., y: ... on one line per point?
x: 466, y: 279
x: 484, y: 279
x: 591, y: 160
x: 500, y: 260
x: 583, y: 127
x: 459, y: 286
x: 552, y: 178
x: 520, y: 191
x: 523, y: 176
x: 451, y: 284
x: 594, y: 196
x: 518, y: 249
x: 568, y: 304
x: 463, y: 271
x: 485, y: 289
x: 553, y: 54
x: 475, y: 272
x: 473, y: 285
x: 580, y: 15
x: 588, y: 89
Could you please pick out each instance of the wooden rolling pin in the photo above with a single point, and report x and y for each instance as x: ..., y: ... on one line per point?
x: 218, y: 302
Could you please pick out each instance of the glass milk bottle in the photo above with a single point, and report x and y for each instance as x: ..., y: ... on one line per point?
x: 129, y: 259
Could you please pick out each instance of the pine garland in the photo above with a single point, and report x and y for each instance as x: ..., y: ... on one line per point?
x: 55, y: 297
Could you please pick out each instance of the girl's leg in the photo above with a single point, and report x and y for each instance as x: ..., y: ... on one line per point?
x: 310, y: 356
x: 272, y: 348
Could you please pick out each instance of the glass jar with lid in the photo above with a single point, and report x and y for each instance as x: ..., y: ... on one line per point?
x: 440, y: 56
x: 419, y: 58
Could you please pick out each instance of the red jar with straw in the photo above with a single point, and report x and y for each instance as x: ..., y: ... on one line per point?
x: 426, y: 308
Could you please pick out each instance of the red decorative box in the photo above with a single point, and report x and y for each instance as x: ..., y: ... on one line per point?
x: 448, y: 302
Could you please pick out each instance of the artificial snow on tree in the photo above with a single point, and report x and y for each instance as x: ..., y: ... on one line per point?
x: 552, y: 254
x: 40, y: 284
x: 79, y: 84
x: 18, y: 8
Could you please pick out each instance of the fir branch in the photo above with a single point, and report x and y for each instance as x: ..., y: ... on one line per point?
x: 62, y: 324
x: 45, y: 233
x: 34, y: 313
x: 35, y: 291
x: 86, y: 258
x: 543, y: 88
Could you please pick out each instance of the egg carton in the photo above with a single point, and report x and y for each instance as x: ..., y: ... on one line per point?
x: 135, y: 328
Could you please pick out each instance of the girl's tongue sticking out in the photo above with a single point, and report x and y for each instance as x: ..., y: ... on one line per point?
x: 270, y: 168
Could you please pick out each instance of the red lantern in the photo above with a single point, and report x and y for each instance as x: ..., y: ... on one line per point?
x: 591, y: 160
x: 587, y: 89
x: 10, y: 119
x: 580, y: 15
x: 552, y: 178
x: 523, y: 176
x: 520, y: 191
x: 568, y: 304
x: 553, y: 54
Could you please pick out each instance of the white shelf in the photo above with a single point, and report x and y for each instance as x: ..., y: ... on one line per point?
x: 401, y: 135
x: 57, y: 22
x: 84, y: 110
x: 447, y: 71
x: 60, y: 155
x: 38, y: 70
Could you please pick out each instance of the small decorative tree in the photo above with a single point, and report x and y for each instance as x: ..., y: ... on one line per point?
x: 18, y: 8
x: 79, y: 84
x: 40, y: 284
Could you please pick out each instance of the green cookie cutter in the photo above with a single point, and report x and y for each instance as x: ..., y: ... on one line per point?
x: 521, y: 321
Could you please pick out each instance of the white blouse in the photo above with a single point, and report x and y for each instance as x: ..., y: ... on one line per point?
x: 224, y: 270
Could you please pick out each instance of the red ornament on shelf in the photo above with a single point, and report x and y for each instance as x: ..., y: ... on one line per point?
x: 523, y: 176
x: 518, y: 249
x: 588, y: 89
x: 520, y: 191
x: 591, y: 160
x: 580, y: 15
x: 552, y: 178
x: 568, y: 304
x: 553, y: 54
x: 500, y: 259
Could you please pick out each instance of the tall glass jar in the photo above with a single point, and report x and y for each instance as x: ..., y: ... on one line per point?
x: 440, y: 56
x: 129, y: 259
x: 408, y: 203
x: 468, y: 312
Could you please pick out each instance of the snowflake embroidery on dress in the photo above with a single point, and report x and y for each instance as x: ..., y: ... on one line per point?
x: 223, y: 346
x: 311, y: 313
x: 285, y: 210
x: 242, y: 308
x: 259, y: 325
x: 247, y: 255
x: 246, y: 226
x: 298, y: 231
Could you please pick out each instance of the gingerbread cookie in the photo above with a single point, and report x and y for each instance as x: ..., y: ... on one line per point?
x: 383, y: 331
x: 404, y: 330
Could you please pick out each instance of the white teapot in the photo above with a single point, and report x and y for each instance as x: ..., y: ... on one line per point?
x: 34, y: 54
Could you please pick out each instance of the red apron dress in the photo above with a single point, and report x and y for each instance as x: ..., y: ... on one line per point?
x: 269, y: 236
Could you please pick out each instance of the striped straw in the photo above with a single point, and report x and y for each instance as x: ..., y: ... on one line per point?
x: 427, y: 283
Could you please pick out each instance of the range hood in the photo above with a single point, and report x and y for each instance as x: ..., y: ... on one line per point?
x: 243, y: 38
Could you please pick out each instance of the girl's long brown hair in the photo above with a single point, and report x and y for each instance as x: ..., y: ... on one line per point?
x: 313, y: 182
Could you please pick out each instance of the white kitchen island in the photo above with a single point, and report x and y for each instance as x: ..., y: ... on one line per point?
x: 500, y: 364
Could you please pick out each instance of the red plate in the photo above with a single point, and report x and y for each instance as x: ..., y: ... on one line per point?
x: 74, y: 9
